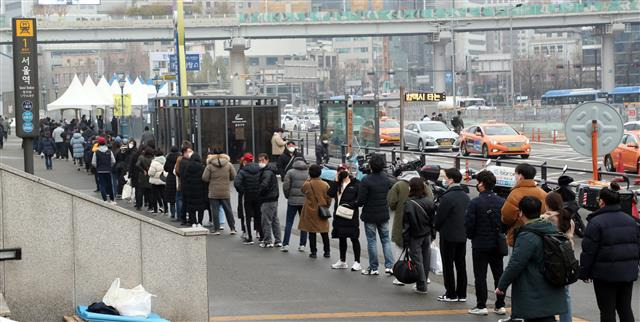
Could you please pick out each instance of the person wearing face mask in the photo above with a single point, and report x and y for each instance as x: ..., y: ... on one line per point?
x: 181, y: 163
x: 277, y: 143
x: 269, y: 195
x: 171, y: 184
x: 345, y: 193
x: 285, y: 161
x: 525, y: 186
x: 322, y: 150
x: 483, y: 226
x: 449, y: 222
x: 610, y: 257
x: 247, y: 182
x: 293, y: 181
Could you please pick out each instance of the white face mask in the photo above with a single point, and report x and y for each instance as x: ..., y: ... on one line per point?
x: 130, y: 145
x: 188, y: 155
x: 445, y: 183
x: 325, y: 141
x: 291, y: 149
x: 262, y: 165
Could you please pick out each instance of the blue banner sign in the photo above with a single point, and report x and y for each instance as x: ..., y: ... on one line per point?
x: 193, y: 63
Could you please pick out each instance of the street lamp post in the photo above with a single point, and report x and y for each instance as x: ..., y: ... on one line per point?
x: 511, y: 48
x: 121, y: 82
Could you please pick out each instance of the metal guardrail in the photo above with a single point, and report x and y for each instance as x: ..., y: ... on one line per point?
x: 457, y: 160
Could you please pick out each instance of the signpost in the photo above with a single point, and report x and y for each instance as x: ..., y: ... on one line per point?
x: 424, y: 97
x: 25, y: 84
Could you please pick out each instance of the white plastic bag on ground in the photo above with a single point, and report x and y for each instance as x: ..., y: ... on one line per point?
x: 129, y: 302
x: 436, y: 259
x: 127, y: 191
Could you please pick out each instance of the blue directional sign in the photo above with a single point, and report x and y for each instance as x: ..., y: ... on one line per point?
x: 27, y: 116
x: 448, y: 78
x: 192, y: 61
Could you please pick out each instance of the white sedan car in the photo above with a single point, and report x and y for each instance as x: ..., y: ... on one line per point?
x: 632, y: 126
x: 289, y: 123
x: 430, y: 135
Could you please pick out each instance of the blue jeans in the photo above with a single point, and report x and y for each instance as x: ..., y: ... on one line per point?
x: 567, y: 317
x: 48, y: 163
x: 114, y: 182
x: 179, y: 214
x: 104, y: 181
x: 292, y: 211
x: 372, y: 247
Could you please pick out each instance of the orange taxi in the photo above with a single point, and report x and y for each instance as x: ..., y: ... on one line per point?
x: 628, y: 150
x: 493, y: 139
x: 389, y: 131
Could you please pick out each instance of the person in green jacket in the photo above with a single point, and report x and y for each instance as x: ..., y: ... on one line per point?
x: 397, y: 196
x: 532, y: 297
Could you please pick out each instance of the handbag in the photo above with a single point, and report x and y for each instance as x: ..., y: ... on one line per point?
x: 344, y: 212
x: 503, y: 248
x: 323, y: 211
x: 405, y: 270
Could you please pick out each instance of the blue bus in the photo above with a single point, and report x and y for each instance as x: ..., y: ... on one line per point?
x: 624, y: 94
x: 572, y: 96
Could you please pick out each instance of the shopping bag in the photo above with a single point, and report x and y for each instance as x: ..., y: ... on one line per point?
x: 127, y: 191
x: 436, y: 260
x: 129, y: 302
x: 405, y: 270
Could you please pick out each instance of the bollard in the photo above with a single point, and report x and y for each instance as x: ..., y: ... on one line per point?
x: 423, y: 159
x: 456, y: 163
x: 539, y: 135
x: 555, y: 133
x: 533, y: 135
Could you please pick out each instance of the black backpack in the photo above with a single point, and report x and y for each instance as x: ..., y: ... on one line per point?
x: 560, y: 264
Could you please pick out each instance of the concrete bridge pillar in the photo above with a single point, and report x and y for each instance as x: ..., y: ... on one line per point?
x: 236, y: 48
x: 608, y: 54
x: 439, y: 61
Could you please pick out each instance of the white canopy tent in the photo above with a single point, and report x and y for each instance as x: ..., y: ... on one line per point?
x: 104, y: 90
x: 138, y: 93
x: 73, y: 98
x: 93, y: 95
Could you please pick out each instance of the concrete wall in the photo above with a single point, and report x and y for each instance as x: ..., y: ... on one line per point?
x: 74, y: 246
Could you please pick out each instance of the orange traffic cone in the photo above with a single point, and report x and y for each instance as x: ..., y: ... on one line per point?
x: 619, y: 169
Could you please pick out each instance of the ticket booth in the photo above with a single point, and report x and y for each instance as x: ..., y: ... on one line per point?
x: 365, y: 122
x: 233, y: 124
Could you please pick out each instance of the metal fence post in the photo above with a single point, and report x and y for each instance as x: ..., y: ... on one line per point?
x: 343, y: 152
x: 423, y: 159
x: 302, y: 146
x: 307, y: 140
x: 498, y: 163
x: 393, y: 155
x: 543, y: 171
x: 456, y: 163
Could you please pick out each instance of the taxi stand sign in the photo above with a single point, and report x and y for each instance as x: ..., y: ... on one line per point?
x: 424, y: 97
x: 25, y: 77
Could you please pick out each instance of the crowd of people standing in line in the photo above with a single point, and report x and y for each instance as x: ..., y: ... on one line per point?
x: 185, y: 185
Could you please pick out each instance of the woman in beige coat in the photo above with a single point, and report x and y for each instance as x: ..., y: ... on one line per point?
x: 315, y: 195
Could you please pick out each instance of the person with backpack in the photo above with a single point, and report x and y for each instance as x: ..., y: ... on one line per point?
x: 103, y: 160
x: 417, y: 223
x: 457, y: 122
x: 610, y: 256
x: 533, y: 297
x: 488, y: 244
x: 449, y: 222
x: 561, y: 218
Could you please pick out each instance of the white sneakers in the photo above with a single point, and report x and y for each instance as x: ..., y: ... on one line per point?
x: 356, y: 267
x: 397, y: 283
x: 284, y: 248
x: 477, y: 311
x: 340, y: 265
x: 388, y: 271
x: 301, y: 248
x: 369, y: 271
x: 500, y: 311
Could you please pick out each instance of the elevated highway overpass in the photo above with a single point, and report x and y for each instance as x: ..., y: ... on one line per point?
x: 55, y: 29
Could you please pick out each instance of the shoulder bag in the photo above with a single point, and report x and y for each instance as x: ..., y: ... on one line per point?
x: 323, y: 211
x: 503, y: 249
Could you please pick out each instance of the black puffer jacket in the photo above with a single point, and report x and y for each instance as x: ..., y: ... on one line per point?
x: 269, y: 190
x: 171, y: 183
x: 285, y: 162
x: 194, y: 190
x: 611, y: 246
x: 449, y: 220
x: 342, y: 227
x: 417, y: 220
x: 247, y: 182
x: 481, y: 228
x: 372, y: 195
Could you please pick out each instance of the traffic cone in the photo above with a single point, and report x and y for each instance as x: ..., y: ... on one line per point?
x: 619, y: 169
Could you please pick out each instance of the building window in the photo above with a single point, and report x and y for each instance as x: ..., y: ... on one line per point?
x: 254, y: 61
x: 545, y: 50
x: 560, y: 49
x: 552, y: 49
x: 361, y: 49
x: 363, y: 61
x: 536, y: 50
x: 272, y: 61
x: 343, y: 50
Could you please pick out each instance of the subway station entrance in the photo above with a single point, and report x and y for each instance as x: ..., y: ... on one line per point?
x: 235, y: 124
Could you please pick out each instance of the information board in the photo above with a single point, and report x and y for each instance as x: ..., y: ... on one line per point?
x: 25, y: 77
x: 193, y: 63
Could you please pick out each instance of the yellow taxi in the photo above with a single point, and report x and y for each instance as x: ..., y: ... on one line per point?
x: 389, y: 131
x: 628, y: 150
x: 493, y: 139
